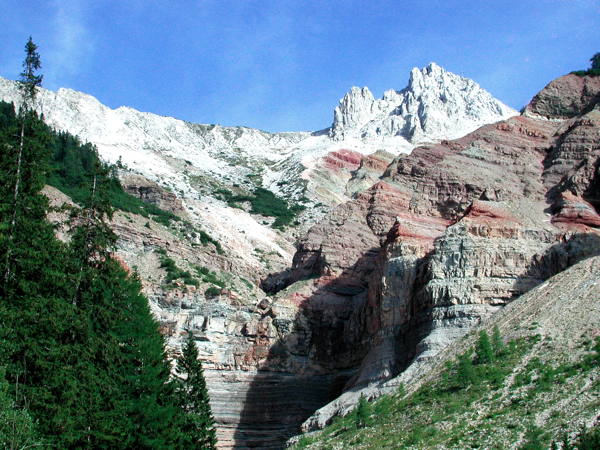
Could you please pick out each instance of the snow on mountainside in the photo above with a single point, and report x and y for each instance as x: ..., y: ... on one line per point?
x: 205, y: 165
x: 195, y: 161
x: 435, y: 105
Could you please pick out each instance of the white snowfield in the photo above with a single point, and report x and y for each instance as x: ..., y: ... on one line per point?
x: 182, y: 156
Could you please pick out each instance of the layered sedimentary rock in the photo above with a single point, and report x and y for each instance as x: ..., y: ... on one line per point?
x: 428, y: 246
x: 565, y: 97
x: 482, y: 220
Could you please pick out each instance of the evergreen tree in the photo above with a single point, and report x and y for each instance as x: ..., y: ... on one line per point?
x: 140, y: 409
x: 136, y: 407
x: 198, y: 428
x: 483, y: 350
x: 39, y: 328
x: 595, y: 61
x: 465, y: 371
x: 361, y: 414
x: 82, y: 351
x: 17, y: 430
x: 30, y: 80
x: 497, y: 342
x: 28, y: 84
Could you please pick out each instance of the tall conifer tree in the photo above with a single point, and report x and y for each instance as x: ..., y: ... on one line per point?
x: 199, y: 428
x: 82, y: 350
x: 28, y: 83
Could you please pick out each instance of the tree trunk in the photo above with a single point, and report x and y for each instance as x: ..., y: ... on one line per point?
x: 13, y: 221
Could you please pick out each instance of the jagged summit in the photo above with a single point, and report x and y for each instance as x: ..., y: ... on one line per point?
x: 435, y: 105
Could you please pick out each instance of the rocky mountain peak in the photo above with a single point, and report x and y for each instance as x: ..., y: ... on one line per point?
x: 355, y: 107
x: 436, y: 104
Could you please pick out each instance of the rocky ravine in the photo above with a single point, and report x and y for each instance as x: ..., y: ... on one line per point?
x: 270, y: 362
x: 559, y: 319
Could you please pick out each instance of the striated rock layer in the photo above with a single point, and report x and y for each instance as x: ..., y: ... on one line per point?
x: 473, y: 224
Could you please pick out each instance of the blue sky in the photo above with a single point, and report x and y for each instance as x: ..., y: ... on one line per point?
x: 283, y: 65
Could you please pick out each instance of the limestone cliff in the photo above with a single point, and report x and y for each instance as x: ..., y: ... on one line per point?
x: 435, y: 105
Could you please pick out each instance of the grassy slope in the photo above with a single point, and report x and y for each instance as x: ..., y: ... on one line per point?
x: 545, y: 383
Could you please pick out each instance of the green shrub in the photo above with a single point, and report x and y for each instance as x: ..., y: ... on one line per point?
x: 534, y: 440
x: 208, y: 276
x: 362, y: 413
x: 465, y: 371
x: 174, y: 272
x: 212, y: 292
x: 483, y: 350
x: 263, y: 202
x: 588, y: 439
x: 589, y: 72
x: 205, y: 239
x: 74, y: 166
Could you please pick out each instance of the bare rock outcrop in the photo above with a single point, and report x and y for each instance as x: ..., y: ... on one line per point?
x: 565, y: 97
x: 151, y: 192
x: 435, y: 105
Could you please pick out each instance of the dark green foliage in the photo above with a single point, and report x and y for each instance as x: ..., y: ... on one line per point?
x: 206, y: 238
x: 73, y: 166
x: 534, y: 440
x: 483, y: 350
x: 29, y: 79
x: 209, y: 277
x: 593, y: 71
x: 174, y: 272
x: 198, y: 427
x: 266, y: 203
x: 589, y: 72
x: 212, y: 292
x: 497, y: 342
x: 595, y: 60
x: 17, y: 429
x: 588, y: 439
x: 81, y: 349
x: 465, y: 371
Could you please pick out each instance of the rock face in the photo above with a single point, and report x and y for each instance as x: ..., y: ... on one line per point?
x: 151, y: 192
x: 435, y: 105
x: 565, y: 97
x: 560, y: 319
x: 475, y: 223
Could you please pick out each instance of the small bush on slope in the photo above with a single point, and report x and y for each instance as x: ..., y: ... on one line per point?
x: 266, y: 203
